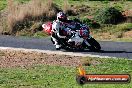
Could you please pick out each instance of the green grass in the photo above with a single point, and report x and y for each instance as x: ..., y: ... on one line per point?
x: 123, y: 39
x: 116, y: 30
x: 40, y: 34
x: 42, y: 76
x: 3, y: 4
x: 96, y: 4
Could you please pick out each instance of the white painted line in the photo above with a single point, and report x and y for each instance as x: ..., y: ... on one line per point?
x: 53, y: 52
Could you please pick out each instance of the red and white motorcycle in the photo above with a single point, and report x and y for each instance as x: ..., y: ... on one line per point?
x: 80, y: 39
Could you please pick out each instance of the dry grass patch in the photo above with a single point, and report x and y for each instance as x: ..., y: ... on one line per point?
x: 128, y: 34
x: 22, y: 16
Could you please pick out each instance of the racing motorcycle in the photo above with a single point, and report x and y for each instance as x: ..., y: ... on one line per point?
x: 80, y: 38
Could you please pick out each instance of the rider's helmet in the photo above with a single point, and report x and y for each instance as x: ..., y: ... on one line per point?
x: 61, y: 16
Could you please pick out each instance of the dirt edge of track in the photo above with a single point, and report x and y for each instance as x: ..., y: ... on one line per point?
x: 11, y: 58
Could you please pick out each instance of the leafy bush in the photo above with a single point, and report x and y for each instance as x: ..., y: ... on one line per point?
x: 109, y: 15
x: 90, y: 23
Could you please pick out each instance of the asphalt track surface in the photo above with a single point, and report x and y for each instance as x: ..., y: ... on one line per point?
x: 111, y: 49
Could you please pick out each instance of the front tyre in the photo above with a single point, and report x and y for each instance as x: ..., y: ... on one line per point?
x: 94, y: 44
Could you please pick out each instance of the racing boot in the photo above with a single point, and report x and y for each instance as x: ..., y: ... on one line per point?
x: 55, y: 42
x: 58, y: 47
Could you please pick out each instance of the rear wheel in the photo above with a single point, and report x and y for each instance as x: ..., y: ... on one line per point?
x: 94, y: 44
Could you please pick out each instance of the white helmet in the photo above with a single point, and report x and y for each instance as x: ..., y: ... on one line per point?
x: 61, y: 16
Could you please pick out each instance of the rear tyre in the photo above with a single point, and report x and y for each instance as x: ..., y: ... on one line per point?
x: 95, y: 46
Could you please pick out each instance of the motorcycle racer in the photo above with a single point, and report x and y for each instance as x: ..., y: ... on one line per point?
x: 61, y: 28
x: 70, y: 34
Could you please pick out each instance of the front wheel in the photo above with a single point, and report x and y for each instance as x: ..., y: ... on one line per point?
x: 94, y: 44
